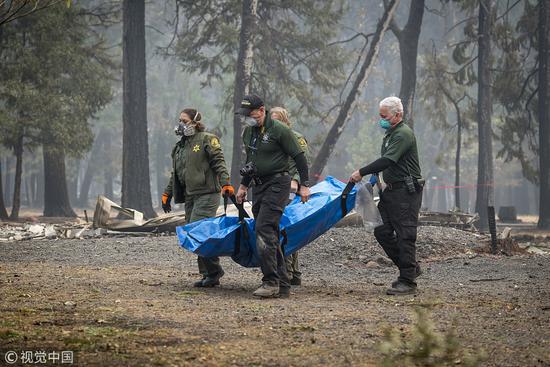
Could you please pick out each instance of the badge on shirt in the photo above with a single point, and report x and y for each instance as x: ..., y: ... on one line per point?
x: 196, y: 148
x: 302, y: 142
x: 215, y: 143
x: 265, y: 138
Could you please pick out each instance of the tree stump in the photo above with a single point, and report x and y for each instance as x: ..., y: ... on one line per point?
x: 507, y: 214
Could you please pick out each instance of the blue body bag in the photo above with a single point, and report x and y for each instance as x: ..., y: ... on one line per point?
x: 300, y: 224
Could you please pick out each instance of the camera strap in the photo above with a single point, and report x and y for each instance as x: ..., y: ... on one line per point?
x: 253, y: 145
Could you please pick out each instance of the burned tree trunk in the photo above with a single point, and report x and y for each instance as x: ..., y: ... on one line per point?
x: 16, y: 203
x: 455, y: 103
x: 108, y: 171
x: 56, y: 195
x: 485, y: 189
x: 162, y: 158
x: 39, y: 199
x: 8, y: 189
x: 408, y: 49
x: 242, y: 81
x: 91, y: 169
x: 3, y: 211
x: 457, y: 157
x: 73, y: 173
x: 136, y: 186
x: 544, y: 117
x: 343, y: 115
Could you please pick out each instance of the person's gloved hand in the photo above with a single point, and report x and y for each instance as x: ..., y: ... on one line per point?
x: 228, y: 190
x: 166, y: 202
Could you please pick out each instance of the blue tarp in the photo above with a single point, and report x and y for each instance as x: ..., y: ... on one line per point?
x: 300, y: 225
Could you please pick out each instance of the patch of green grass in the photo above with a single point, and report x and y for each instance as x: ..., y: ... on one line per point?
x: 302, y: 328
x: 73, y: 340
x: 102, y: 331
x: 26, y: 310
x: 257, y: 307
x: 9, y: 335
x: 7, y: 323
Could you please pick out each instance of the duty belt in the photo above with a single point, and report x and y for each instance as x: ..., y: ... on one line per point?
x: 400, y: 184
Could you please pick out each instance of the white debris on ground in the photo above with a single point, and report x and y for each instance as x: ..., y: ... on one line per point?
x: 433, y: 240
x: 534, y: 244
x: 67, y: 230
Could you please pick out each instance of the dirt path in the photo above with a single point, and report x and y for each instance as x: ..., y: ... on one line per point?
x: 129, y: 301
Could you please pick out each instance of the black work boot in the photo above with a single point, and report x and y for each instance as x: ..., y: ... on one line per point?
x: 210, y: 281
x: 418, y: 273
x: 198, y: 283
x: 401, y: 289
x: 295, y: 281
x: 284, y: 292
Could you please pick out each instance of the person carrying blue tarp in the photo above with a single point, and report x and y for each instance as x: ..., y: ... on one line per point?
x: 199, y: 173
x: 281, y: 114
x: 269, y: 145
x: 401, y: 199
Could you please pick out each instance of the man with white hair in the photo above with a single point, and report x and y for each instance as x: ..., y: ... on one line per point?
x: 401, y: 199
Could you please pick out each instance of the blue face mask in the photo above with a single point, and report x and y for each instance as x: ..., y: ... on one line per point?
x: 384, y: 124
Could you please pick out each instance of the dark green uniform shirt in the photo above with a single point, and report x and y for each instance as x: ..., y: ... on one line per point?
x: 291, y: 163
x: 198, y: 167
x: 274, y: 146
x: 399, y: 145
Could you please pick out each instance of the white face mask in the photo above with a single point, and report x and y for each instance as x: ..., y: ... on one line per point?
x: 189, y: 130
x: 250, y: 121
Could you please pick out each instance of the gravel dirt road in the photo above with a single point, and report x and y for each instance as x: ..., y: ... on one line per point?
x: 130, y: 302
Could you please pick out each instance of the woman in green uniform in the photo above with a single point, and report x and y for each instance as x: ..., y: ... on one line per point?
x: 199, y: 173
x: 281, y: 114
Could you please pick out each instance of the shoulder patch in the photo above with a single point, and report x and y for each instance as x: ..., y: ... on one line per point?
x: 215, y: 143
x: 302, y: 142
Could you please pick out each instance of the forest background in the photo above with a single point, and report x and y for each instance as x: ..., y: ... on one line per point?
x: 90, y: 93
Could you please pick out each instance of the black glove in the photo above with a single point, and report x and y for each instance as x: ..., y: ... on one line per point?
x: 166, y: 202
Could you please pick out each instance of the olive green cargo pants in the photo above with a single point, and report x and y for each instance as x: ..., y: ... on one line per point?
x: 199, y: 207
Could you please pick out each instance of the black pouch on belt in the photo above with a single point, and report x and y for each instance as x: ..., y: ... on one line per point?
x: 409, y: 183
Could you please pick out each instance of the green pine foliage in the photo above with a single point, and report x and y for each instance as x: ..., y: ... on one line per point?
x: 55, y: 76
x: 515, y: 89
x: 293, y: 63
x: 425, y: 346
x: 513, y: 84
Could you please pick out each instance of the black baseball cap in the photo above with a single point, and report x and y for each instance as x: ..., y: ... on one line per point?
x: 250, y: 102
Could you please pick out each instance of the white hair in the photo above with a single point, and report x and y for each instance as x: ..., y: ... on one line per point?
x: 393, y: 104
